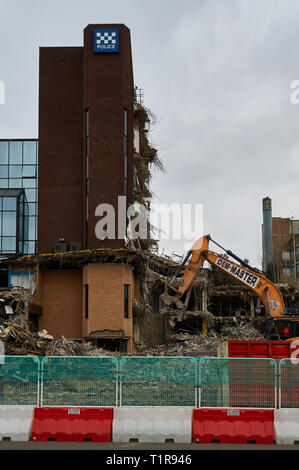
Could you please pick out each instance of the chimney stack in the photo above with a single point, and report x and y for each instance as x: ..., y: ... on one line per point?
x: 267, y: 233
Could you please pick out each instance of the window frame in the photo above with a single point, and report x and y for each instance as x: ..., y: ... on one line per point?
x: 127, y: 300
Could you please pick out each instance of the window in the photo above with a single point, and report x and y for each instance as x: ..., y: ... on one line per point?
x: 86, y: 172
x: 126, y: 116
x: 155, y: 301
x: 126, y: 113
x: 283, y: 328
x: 126, y: 300
x: 34, y: 324
x: 109, y: 344
x: 29, y: 171
x: 29, y: 152
x: 286, y: 259
x: 3, y: 171
x: 15, y: 152
x: 13, y: 223
x: 18, y: 170
x: 3, y: 152
x: 86, y: 299
x: 15, y: 171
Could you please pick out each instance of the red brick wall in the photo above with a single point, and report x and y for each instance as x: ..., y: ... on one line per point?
x: 106, y: 299
x: 61, y: 294
x: 71, y: 80
x: 108, y: 89
x: 280, y: 237
x: 60, y: 146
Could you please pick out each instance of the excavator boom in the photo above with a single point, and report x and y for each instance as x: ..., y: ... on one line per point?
x: 281, y: 325
x: 268, y: 293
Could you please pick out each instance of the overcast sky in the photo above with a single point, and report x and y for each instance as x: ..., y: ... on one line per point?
x: 216, y: 73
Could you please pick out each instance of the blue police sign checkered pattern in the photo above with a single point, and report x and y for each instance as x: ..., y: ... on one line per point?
x: 106, y: 40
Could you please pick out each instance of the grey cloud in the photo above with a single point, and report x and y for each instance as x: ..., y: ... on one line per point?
x: 216, y: 73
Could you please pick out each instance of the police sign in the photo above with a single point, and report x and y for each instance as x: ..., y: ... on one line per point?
x: 106, y: 40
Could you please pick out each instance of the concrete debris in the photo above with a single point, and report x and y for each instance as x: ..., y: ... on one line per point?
x: 205, y: 315
x: 241, y: 331
x: 66, y: 347
x: 182, y: 338
x: 185, y: 344
x: 19, y: 340
x: 44, y: 334
x: 157, y: 331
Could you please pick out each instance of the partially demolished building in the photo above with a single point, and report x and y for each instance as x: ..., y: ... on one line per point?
x: 85, y: 280
x: 93, y: 156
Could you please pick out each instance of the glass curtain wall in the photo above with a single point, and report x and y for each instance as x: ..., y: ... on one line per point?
x: 19, y: 170
x: 13, y: 221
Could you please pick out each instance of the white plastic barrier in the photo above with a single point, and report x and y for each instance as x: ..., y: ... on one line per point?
x: 16, y: 422
x: 152, y: 424
x: 286, y: 426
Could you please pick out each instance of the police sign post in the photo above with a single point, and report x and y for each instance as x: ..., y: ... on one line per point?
x: 106, y: 40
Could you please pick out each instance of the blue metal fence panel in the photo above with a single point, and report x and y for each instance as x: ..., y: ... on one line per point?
x: 19, y: 380
x: 79, y: 381
x: 237, y: 382
x: 289, y: 383
x: 148, y: 381
x: 158, y: 381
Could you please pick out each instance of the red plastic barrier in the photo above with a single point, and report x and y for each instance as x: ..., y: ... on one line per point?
x: 233, y: 426
x: 72, y: 424
x: 268, y: 349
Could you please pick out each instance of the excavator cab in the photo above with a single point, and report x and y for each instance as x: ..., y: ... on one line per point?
x: 282, y: 328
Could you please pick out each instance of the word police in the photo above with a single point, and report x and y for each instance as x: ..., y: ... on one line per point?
x: 106, y: 40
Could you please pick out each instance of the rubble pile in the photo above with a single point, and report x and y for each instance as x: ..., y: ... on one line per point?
x: 19, y: 337
x: 183, y: 344
x: 19, y: 340
x: 241, y: 331
x: 198, y: 345
x: 65, y: 347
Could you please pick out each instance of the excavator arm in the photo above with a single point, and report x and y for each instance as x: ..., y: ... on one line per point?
x: 255, y: 280
x: 280, y: 325
x: 268, y: 293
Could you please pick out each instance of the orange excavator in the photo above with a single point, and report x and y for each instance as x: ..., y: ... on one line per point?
x: 280, y: 325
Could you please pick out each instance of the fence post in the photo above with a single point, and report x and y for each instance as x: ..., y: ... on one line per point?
x: 43, y: 361
x: 279, y: 378
x: 199, y: 383
x: 289, y: 383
